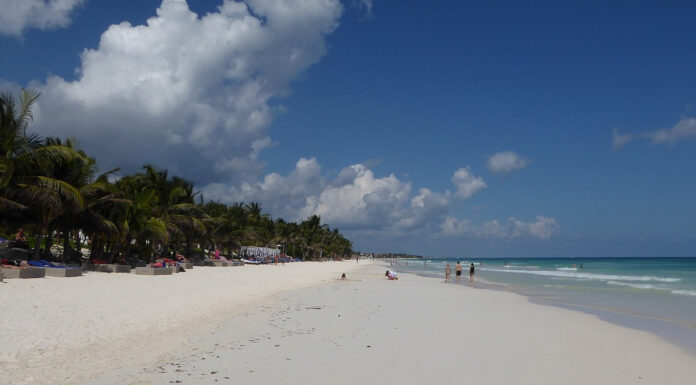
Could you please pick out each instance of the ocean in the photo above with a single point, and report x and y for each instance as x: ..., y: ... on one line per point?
x: 657, y: 295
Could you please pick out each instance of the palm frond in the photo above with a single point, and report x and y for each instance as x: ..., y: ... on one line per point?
x: 155, y: 228
x: 9, y: 204
x: 66, y: 191
x: 50, y: 154
x: 28, y: 98
x: 185, y: 208
x: 6, y: 171
x: 35, y: 195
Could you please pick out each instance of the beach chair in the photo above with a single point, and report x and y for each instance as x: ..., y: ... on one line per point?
x: 112, y: 268
x: 29, y: 272
x: 154, y: 270
x: 215, y: 262
x: 52, y: 270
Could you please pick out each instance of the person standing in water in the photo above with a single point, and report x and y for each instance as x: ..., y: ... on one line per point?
x: 458, y: 271
x: 448, y: 271
x: 471, y: 273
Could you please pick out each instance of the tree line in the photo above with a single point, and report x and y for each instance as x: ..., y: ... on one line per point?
x: 55, y: 191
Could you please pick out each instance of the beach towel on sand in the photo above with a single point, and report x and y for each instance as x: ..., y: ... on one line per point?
x: 44, y: 263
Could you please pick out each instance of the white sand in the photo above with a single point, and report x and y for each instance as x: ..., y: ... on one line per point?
x: 367, y: 330
x: 63, y: 330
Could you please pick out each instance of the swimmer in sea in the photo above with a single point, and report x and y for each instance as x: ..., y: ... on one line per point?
x: 458, y: 271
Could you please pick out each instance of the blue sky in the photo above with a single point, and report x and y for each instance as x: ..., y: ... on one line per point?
x: 349, y: 113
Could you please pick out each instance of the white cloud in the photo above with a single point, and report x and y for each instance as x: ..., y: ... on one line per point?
x: 541, y: 228
x: 683, y: 130
x: 620, y: 140
x: 364, y: 5
x: 367, y: 5
x: 187, y: 92
x: 355, y: 199
x: 358, y: 201
x: 467, y: 183
x: 366, y: 201
x: 18, y: 15
x: 282, y: 196
x: 506, y: 162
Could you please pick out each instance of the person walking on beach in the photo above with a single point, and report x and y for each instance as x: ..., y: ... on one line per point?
x: 458, y: 271
x: 448, y: 271
x: 471, y: 273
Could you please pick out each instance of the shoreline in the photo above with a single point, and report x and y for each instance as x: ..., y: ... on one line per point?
x: 677, y: 332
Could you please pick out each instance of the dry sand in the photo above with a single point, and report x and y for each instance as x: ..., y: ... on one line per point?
x: 365, y: 330
x: 64, y: 330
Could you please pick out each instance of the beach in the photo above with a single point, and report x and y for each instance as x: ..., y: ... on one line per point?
x: 300, y: 324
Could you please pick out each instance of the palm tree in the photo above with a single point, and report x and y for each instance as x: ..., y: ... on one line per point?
x: 104, y: 205
x: 40, y: 184
x: 14, y: 120
x: 19, y: 149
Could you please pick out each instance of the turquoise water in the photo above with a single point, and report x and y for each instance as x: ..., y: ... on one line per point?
x: 653, y: 294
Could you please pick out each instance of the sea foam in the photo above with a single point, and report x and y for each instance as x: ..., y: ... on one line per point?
x: 645, y: 286
x: 592, y: 276
x: 684, y: 292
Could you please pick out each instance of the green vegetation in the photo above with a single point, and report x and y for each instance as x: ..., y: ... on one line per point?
x: 399, y: 255
x: 49, y: 187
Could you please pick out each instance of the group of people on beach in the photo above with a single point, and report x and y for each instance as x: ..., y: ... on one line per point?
x: 392, y: 275
x: 458, y: 272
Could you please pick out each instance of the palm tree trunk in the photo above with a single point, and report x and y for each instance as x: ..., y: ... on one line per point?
x: 49, y: 242
x: 37, y: 246
x: 78, y: 243
x: 189, y: 246
x: 129, y: 252
x: 93, y: 253
x: 66, y: 246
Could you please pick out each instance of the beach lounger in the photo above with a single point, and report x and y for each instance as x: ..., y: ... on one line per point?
x: 40, y: 263
x: 64, y: 272
x: 215, y: 262
x: 30, y: 272
x: 56, y: 271
x: 112, y: 268
x: 154, y: 270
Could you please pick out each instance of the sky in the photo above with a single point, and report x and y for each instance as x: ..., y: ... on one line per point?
x: 446, y: 129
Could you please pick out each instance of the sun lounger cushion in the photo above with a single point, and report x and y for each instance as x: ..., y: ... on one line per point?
x: 44, y: 263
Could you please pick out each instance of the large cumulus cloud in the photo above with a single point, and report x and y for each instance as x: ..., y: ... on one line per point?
x: 192, y: 93
x: 363, y: 203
